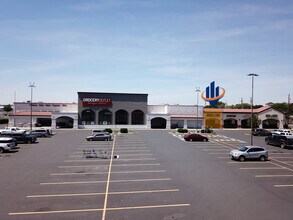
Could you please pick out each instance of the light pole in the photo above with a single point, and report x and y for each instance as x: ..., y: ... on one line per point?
x: 31, y: 85
x: 251, y: 120
x: 197, y: 91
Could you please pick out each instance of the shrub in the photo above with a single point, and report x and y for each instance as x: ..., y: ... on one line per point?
x: 4, y: 120
x: 182, y: 130
x: 123, y: 130
x: 108, y: 130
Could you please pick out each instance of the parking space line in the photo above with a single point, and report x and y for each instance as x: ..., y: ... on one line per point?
x: 290, y: 185
x: 248, y: 162
x: 281, y: 157
x: 217, y: 153
x: 282, y: 166
x: 81, y: 148
x: 261, y: 168
x: 108, y: 179
x: 109, y: 193
x: 98, y: 210
x: 116, y: 165
x: 279, y: 153
x: 288, y: 164
x: 277, y: 175
x: 121, y: 155
x: 116, y: 172
x: 112, y: 181
x: 105, y: 160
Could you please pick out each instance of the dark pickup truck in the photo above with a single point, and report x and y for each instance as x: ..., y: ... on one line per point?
x: 283, y: 141
x: 22, y: 137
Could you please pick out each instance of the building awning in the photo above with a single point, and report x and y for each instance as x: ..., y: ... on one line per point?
x: 186, y: 116
x: 25, y: 113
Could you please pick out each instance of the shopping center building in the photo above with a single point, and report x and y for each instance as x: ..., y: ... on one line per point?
x: 95, y: 110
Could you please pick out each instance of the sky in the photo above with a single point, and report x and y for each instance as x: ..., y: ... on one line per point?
x: 164, y: 48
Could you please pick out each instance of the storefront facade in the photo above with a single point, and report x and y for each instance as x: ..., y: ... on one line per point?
x: 240, y: 118
x: 104, y: 110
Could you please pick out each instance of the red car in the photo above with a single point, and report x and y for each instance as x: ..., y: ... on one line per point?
x: 195, y: 137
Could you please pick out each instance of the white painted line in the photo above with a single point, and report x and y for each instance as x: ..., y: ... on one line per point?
x: 270, y: 176
x: 116, y: 165
x: 112, y: 181
x: 109, y: 193
x: 117, y: 172
x: 98, y: 210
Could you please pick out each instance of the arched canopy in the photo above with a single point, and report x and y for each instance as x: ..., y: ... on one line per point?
x: 121, y: 117
x: 105, y: 117
x: 64, y: 122
x: 213, y: 123
x: 270, y: 123
x: 137, y: 117
x: 159, y: 123
x: 230, y: 123
x: 245, y: 123
x: 88, y: 116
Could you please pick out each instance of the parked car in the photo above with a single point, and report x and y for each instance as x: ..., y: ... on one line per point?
x: 282, y: 131
x: 24, y: 137
x: 195, y: 137
x: 249, y: 152
x: 7, y: 144
x: 102, y: 136
x: 40, y: 133
x: 283, y: 141
x: 206, y: 130
x: 11, y: 129
x: 49, y: 131
x: 260, y: 132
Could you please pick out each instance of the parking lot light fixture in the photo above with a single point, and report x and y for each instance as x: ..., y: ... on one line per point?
x: 31, y: 85
x: 197, y: 91
x: 251, y: 120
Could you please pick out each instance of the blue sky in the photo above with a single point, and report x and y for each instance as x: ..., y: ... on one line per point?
x: 165, y: 48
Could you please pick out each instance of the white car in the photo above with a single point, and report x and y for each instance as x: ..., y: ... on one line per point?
x: 249, y: 152
x: 6, y: 144
x: 282, y: 132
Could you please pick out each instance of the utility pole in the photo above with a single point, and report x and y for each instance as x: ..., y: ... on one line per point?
x: 31, y: 85
x: 288, y: 115
x: 251, y: 121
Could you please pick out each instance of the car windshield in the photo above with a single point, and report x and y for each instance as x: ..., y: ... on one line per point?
x: 243, y: 149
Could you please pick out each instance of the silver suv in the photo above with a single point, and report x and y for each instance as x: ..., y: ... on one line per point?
x: 249, y: 152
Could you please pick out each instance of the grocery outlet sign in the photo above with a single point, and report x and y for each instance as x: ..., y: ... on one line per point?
x: 107, y: 102
x: 212, y: 94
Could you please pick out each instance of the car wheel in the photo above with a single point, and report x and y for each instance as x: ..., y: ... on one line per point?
x: 29, y: 141
x: 105, y: 139
x: 241, y: 158
x: 267, y: 142
x: 283, y: 145
x: 190, y: 140
x: 262, y: 158
x: 1, y: 150
x: 205, y: 140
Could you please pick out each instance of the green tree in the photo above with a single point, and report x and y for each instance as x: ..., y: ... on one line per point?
x: 256, y: 121
x: 7, y: 108
x: 218, y: 105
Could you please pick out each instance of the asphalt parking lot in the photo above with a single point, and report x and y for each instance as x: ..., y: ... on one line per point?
x: 157, y: 176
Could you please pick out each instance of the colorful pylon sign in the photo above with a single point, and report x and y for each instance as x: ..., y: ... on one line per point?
x: 212, y: 94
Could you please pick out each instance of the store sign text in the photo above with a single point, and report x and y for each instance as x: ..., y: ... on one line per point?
x: 96, y: 102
